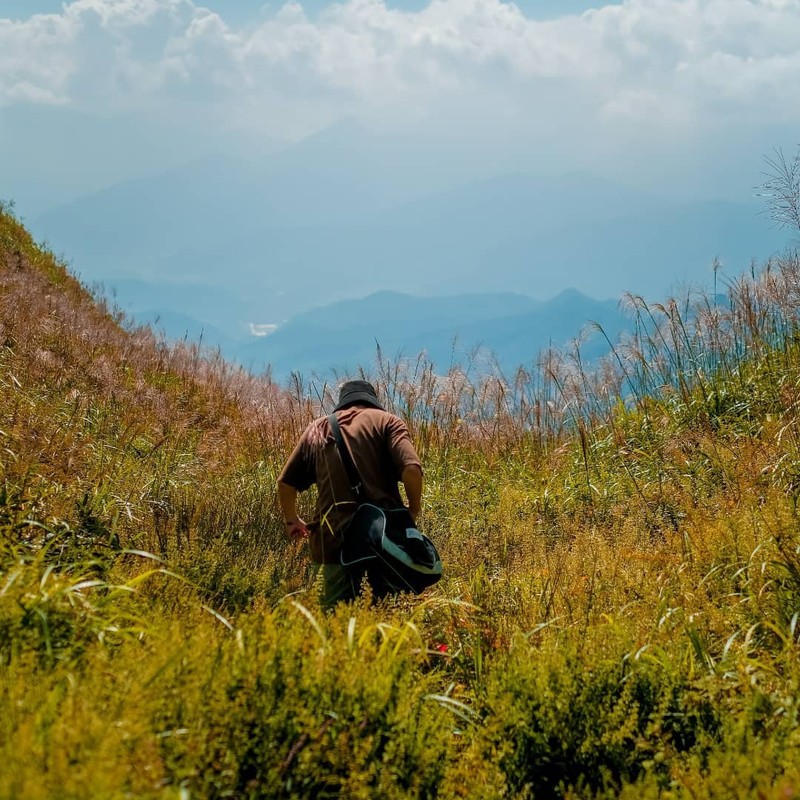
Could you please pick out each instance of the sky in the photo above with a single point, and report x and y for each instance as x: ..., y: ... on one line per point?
x: 244, y: 11
x: 675, y: 95
x: 362, y: 106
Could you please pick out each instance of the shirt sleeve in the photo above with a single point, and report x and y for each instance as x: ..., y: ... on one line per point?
x: 299, y: 470
x: 401, y: 448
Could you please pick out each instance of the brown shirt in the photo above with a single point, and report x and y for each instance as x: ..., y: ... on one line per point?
x: 381, y: 448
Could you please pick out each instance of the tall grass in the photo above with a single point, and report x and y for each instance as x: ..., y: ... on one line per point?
x: 620, y: 613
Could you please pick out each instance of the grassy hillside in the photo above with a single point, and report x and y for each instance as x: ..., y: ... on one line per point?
x: 620, y: 614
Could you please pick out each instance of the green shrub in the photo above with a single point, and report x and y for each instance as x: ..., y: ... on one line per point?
x: 299, y: 705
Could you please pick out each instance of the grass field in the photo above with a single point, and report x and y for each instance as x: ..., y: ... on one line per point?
x: 620, y: 614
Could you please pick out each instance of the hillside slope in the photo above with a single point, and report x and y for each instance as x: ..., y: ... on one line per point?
x: 104, y: 421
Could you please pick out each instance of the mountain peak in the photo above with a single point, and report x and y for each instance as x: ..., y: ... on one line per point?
x: 570, y: 294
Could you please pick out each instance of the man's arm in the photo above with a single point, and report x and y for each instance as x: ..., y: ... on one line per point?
x: 412, y: 481
x: 287, y: 497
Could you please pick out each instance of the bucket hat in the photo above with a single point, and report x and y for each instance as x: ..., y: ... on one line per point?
x: 357, y: 392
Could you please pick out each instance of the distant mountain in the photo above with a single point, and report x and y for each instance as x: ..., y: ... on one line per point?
x: 51, y: 156
x: 646, y: 251
x: 136, y: 226
x: 386, y: 310
x: 651, y: 253
x: 344, y: 214
x: 180, y: 327
x: 206, y: 307
x: 511, y: 328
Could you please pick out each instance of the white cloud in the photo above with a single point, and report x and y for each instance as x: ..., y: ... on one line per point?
x: 675, y: 63
x: 35, y: 58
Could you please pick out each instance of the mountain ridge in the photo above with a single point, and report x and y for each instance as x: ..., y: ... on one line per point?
x: 347, y: 334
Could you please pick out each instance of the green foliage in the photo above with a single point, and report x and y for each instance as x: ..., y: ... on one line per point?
x: 308, y: 707
x: 589, y: 717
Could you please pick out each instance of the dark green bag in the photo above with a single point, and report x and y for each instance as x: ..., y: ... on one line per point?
x: 389, y: 538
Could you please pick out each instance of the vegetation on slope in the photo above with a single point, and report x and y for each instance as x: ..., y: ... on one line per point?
x: 620, y: 614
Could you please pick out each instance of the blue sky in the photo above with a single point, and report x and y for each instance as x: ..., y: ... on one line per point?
x: 671, y: 95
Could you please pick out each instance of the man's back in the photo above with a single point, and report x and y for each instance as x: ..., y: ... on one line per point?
x: 382, y: 450
x: 384, y: 455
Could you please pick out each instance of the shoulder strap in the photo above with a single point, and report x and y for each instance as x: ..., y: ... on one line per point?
x: 349, y: 465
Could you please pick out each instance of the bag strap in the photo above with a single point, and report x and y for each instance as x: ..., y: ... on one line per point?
x: 349, y: 465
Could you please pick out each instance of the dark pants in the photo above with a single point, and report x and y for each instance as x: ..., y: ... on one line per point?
x: 345, y: 583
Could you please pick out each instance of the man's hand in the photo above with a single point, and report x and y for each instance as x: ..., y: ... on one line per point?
x: 296, y: 529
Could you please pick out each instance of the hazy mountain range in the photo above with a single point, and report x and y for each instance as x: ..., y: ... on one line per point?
x: 480, y: 331
x: 222, y: 243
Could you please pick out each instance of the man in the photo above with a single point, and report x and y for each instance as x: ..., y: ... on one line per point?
x: 384, y: 455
